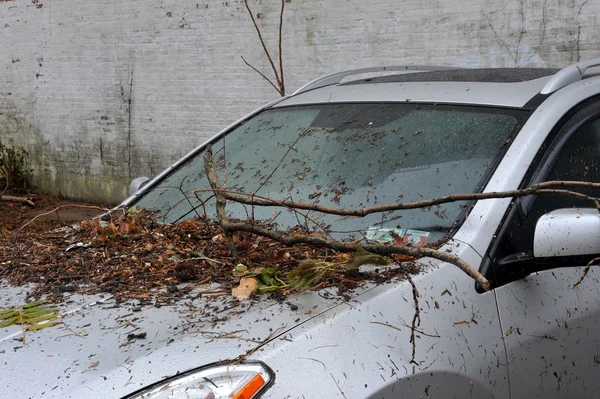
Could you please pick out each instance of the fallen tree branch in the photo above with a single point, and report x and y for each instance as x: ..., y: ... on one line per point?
x: 254, y: 199
x: 595, y: 261
x: 213, y: 179
x: 540, y: 188
x: 380, y: 249
x: 10, y: 198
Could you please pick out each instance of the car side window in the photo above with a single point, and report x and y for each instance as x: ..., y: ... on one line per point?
x: 577, y: 160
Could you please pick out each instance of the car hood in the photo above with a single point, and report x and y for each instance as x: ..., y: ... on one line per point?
x: 105, y: 348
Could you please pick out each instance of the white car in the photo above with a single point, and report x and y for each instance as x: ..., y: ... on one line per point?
x: 415, y: 133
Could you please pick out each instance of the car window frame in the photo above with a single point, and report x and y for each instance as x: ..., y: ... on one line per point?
x: 519, y: 265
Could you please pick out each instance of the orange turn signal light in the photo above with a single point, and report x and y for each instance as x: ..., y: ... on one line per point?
x: 251, y: 388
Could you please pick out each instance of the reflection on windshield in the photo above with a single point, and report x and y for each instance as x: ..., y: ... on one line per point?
x: 346, y: 156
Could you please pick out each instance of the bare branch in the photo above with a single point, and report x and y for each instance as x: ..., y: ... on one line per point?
x: 282, y: 83
x: 213, y: 179
x: 261, y: 74
x: 62, y: 207
x: 10, y: 198
x: 264, y: 46
x: 379, y: 249
x: 541, y: 188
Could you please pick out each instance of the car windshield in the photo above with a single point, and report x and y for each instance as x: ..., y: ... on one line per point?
x: 346, y: 156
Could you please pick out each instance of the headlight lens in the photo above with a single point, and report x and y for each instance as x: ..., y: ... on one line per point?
x: 223, y: 381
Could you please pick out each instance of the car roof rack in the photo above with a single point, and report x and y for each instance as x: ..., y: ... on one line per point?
x: 337, y: 77
x: 571, y: 74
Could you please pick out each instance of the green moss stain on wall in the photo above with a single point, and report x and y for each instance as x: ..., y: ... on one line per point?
x: 67, y: 166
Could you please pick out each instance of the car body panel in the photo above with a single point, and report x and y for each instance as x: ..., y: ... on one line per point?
x: 363, y: 349
x: 90, y: 355
x: 551, y: 333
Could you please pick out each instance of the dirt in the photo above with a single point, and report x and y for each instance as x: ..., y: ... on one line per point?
x: 55, y: 212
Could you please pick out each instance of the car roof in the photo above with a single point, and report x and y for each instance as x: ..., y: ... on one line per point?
x: 474, y: 93
x: 502, y: 87
x: 490, y: 75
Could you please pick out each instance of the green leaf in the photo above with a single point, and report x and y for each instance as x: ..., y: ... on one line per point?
x: 367, y: 259
x: 36, y: 327
x: 33, y: 304
x: 41, y: 318
x: 40, y: 310
x: 9, y: 322
x: 8, y: 313
x: 28, y: 314
x: 307, y: 272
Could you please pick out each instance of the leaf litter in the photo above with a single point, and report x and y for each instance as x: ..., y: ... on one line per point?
x: 132, y: 256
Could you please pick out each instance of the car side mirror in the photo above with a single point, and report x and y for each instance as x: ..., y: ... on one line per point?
x: 567, y: 232
x: 137, y: 183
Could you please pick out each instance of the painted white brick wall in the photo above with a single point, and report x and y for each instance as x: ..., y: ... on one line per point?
x: 101, y: 91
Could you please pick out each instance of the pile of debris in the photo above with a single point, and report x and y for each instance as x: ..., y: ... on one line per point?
x: 130, y: 255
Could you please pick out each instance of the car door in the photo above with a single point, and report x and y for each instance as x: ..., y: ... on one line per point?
x: 551, y: 325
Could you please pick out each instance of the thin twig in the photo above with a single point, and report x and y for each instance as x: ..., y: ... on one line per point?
x: 264, y: 46
x: 416, y: 321
x: 281, y: 160
x: 63, y: 207
x: 261, y: 74
x: 338, y: 386
x: 282, y: 83
x: 586, y: 270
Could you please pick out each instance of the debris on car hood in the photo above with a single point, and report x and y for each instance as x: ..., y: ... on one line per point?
x: 131, y: 256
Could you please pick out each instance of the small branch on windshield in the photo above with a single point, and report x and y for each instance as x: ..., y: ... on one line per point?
x: 540, y: 188
x: 593, y: 262
x: 353, y: 247
x: 213, y: 179
x: 551, y: 187
x: 278, y: 74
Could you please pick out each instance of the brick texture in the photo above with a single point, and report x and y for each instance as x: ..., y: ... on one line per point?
x: 101, y: 91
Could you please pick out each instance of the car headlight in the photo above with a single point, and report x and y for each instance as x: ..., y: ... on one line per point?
x: 218, y: 381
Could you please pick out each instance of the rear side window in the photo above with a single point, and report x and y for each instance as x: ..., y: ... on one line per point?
x: 578, y: 159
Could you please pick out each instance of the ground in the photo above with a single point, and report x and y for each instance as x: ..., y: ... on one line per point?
x: 13, y: 215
